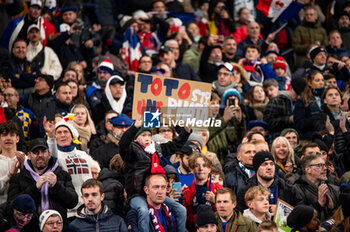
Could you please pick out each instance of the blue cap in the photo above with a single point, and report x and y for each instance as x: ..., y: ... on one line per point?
x: 121, y: 120
x: 254, y: 123
x: 68, y: 8
x: 231, y: 92
x: 24, y: 203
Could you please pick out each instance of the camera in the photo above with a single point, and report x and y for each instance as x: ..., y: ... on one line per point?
x: 231, y: 102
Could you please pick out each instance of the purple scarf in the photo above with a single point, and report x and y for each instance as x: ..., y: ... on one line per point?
x: 45, y: 187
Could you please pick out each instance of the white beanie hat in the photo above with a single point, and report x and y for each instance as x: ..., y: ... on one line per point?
x: 45, y: 215
x: 67, y: 121
x: 106, y: 65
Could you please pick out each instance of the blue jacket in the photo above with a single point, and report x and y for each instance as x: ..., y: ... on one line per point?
x: 105, y: 221
x: 9, y: 30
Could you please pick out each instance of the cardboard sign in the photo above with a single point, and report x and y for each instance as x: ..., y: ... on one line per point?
x: 173, y: 97
x: 283, y: 209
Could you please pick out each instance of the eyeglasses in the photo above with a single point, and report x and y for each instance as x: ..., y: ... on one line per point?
x: 165, y: 130
x: 225, y: 74
x: 320, y: 165
x: 52, y: 224
x: 9, y: 95
x: 24, y: 215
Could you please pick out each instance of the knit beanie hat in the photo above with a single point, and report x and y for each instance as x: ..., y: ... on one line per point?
x: 48, y: 79
x: 280, y: 63
x: 315, y: 50
x: 195, y: 136
x: 205, y: 215
x: 345, y: 201
x: 260, y: 157
x: 288, y: 130
x: 24, y: 203
x: 231, y: 92
x: 106, y: 65
x: 142, y: 129
x: 67, y: 121
x: 298, y: 85
x: 317, y: 138
x: 45, y: 215
x: 300, y: 216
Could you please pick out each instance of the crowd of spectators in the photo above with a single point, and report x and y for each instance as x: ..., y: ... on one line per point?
x: 72, y: 158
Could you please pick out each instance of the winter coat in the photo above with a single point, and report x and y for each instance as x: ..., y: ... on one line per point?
x: 189, y: 193
x: 304, y: 117
x: 105, y: 221
x: 237, y: 223
x: 184, y: 71
x: 21, y: 73
x: 192, y: 57
x: 61, y: 108
x: 277, y: 113
x: 305, y: 35
x: 36, y: 103
x: 62, y: 196
x: 286, y: 192
x: 105, y: 152
x: 137, y: 163
x: 222, y: 139
x: 244, y: 43
x: 236, y: 179
x: 309, y: 192
x: 113, y: 190
x: 345, y: 35
x: 207, y: 71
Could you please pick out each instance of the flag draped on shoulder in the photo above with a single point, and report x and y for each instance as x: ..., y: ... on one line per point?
x: 275, y: 9
x: 131, y: 50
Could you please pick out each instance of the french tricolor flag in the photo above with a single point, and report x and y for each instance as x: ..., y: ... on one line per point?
x: 282, y: 9
x: 131, y: 50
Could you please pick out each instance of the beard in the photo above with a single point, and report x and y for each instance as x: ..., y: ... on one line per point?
x: 184, y: 166
x: 266, y: 178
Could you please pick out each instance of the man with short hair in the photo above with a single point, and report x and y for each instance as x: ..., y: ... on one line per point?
x: 50, y: 221
x: 309, y: 32
x: 155, y: 189
x: 264, y: 167
x: 44, y: 58
x: 115, y: 98
x: 314, y: 188
x: 271, y: 87
x: 30, y: 125
x: 343, y: 23
x: 279, y: 110
x: 230, y: 219
x: 236, y: 178
x: 229, y: 49
x: 185, y: 175
x: 105, y: 152
x: 63, y: 99
x: 94, y: 213
x: 20, y: 215
x: 44, y: 181
x: 11, y: 161
x: 179, y: 70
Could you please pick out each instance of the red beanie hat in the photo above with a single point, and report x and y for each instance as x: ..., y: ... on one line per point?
x: 280, y: 63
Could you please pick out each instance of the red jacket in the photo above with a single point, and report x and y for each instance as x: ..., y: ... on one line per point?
x: 189, y: 194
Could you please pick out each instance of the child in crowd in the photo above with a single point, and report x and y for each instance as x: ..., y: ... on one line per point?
x: 280, y: 68
x: 258, y: 69
x: 257, y: 199
x: 217, y: 175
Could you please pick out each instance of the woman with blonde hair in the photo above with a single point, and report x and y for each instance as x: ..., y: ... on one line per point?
x: 84, y: 125
x: 283, y: 154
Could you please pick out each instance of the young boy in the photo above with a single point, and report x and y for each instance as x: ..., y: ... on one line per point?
x: 257, y: 69
x: 280, y: 68
x: 257, y: 199
x: 217, y: 175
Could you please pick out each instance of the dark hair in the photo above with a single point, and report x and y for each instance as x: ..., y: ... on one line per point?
x: 307, y: 94
x: 240, y: 11
x: 308, y: 159
x: 156, y: 174
x: 92, y: 183
x: 226, y: 190
x: 253, y: 46
x: 326, y: 76
x: 250, y: 135
x: 329, y: 88
x: 229, y: 37
x: 303, y: 150
x: 9, y: 127
x: 60, y: 84
x: 217, y: 171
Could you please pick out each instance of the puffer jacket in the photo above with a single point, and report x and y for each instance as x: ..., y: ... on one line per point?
x: 105, y: 221
x: 236, y: 179
x: 309, y: 192
x: 237, y: 223
x: 305, y: 35
x: 113, y: 190
x: 137, y: 163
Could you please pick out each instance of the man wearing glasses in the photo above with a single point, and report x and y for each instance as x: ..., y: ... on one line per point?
x: 44, y: 181
x: 19, y: 215
x: 313, y: 186
x: 50, y: 221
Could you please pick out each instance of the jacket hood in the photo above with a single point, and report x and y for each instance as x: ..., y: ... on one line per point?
x: 82, y: 212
